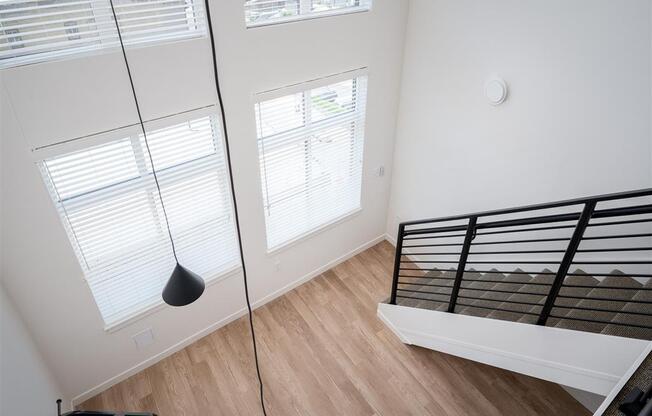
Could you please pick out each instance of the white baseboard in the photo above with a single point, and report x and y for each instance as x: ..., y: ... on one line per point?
x: 552, y: 354
x: 222, y: 322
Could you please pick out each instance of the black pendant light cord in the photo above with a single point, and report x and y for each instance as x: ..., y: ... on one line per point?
x: 228, y: 159
x: 142, y: 126
x: 235, y: 203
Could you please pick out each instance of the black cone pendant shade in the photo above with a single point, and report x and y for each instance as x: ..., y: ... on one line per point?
x: 183, y: 288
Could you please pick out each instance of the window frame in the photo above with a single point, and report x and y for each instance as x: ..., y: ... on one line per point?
x: 133, y: 133
x: 307, y: 87
x: 309, y: 15
x: 104, y: 45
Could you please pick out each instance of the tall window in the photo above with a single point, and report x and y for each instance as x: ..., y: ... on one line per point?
x: 38, y: 30
x: 262, y: 12
x: 310, y: 151
x: 107, y: 200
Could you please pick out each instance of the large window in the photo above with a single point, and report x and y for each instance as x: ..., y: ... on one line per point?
x: 310, y: 151
x: 38, y: 30
x: 108, y: 202
x: 262, y: 12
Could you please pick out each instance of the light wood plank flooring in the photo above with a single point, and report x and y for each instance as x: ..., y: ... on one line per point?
x: 323, y: 351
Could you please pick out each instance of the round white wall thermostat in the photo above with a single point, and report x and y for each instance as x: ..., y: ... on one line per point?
x: 496, y: 91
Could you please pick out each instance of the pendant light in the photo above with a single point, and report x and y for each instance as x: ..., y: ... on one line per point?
x: 184, y: 286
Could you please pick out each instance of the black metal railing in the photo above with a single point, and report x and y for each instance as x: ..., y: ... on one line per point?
x: 605, y: 238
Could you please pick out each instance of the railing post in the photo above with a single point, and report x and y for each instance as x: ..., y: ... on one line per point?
x: 461, y: 265
x: 566, y: 261
x: 397, y: 263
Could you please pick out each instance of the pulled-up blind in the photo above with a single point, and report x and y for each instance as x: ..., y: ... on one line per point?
x: 37, y: 30
x: 261, y: 12
x: 310, y: 152
x: 108, y: 202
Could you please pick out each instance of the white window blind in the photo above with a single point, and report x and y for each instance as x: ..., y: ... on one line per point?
x: 37, y: 30
x: 310, y: 152
x: 107, y: 199
x: 261, y: 12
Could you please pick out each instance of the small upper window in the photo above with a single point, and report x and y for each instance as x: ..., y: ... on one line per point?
x: 40, y: 30
x: 263, y: 12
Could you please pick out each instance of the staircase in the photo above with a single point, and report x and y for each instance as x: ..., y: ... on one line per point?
x: 555, y: 282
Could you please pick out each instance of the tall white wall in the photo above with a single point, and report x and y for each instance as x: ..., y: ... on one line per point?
x: 27, y: 387
x: 576, y: 122
x: 61, y: 100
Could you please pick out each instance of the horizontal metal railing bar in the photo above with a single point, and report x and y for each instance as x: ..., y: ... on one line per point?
x: 608, y: 287
x: 424, y: 292
x: 523, y: 230
x: 642, y: 275
x: 608, y: 237
x: 581, y: 308
x: 534, y: 240
x: 417, y: 298
x: 558, y: 204
x: 644, y: 302
x: 615, y: 262
x: 431, y: 254
x: 623, y: 211
x: 600, y: 224
x: 499, y: 301
x: 434, y: 236
x: 509, y: 283
x: 512, y: 272
x: 606, y: 250
x: 517, y: 252
x: 425, y: 285
x: 433, y: 245
x: 494, y: 262
x: 504, y: 291
x: 435, y: 230
x: 601, y: 322
x: 427, y: 277
x: 497, y: 309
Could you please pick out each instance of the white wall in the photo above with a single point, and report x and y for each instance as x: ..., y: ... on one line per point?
x: 576, y: 122
x: 66, y: 99
x: 27, y: 387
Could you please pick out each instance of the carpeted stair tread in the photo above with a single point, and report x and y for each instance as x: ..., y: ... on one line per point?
x: 540, y: 284
x: 514, y: 283
x: 563, y: 305
x: 476, y: 286
x: 633, y: 332
x: 602, y: 290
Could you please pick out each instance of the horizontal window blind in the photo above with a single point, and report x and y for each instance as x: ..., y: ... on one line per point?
x: 108, y: 202
x: 310, y: 152
x: 260, y: 12
x: 32, y: 31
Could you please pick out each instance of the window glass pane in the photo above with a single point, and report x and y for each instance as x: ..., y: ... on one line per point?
x: 34, y: 31
x: 108, y: 201
x: 260, y: 12
x: 311, y: 173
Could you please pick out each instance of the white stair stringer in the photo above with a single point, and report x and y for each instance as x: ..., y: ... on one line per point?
x: 583, y: 360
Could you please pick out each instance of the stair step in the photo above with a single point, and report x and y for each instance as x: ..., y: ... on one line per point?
x: 476, y: 287
x: 540, y: 299
x: 631, y: 332
x: 513, y: 283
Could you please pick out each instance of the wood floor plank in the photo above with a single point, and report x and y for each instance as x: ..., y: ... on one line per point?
x: 323, y: 351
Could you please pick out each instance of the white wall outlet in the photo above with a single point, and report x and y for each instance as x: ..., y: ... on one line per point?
x: 380, y: 172
x: 144, y: 338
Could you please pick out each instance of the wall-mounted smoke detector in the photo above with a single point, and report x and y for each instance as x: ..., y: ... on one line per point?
x: 496, y: 91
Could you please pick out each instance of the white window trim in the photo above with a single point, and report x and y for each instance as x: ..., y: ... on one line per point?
x: 281, y: 91
x: 311, y: 16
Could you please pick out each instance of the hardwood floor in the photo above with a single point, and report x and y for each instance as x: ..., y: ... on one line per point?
x: 323, y: 351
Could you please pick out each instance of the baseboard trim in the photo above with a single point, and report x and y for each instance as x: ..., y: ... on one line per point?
x: 217, y: 325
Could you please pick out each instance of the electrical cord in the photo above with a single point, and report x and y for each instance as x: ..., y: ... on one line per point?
x: 235, y: 203
x: 142, y: 126
x: 228, y: 159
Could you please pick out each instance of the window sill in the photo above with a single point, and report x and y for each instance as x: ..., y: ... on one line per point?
x: 301, y: 18
x: 322, y: 228
x: 137, y: 316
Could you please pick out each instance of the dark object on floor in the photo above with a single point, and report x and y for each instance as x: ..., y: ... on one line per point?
x: 85, y: 413
x: 637, y: 403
